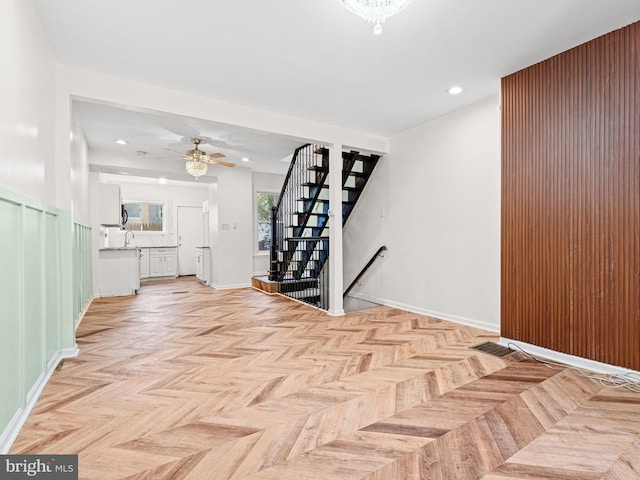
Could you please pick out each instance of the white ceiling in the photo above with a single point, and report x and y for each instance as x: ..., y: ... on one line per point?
x: 315, y: 60
x: 150, y: 134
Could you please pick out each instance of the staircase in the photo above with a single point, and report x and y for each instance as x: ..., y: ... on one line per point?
x: 300, y: 230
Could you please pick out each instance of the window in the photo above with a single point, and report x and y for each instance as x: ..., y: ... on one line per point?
x: 144, y: 216
x: 266, y: 202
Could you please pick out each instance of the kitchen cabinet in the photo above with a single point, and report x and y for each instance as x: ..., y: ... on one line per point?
x: 119, y: 271
x: 110, y: 205
x: 203, y: 264
x: 163, y: 262
x: 144, y: 263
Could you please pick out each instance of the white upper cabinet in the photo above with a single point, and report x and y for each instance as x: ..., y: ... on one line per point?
x: 110, y: 205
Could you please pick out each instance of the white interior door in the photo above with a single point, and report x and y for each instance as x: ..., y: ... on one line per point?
x: 190, y: 236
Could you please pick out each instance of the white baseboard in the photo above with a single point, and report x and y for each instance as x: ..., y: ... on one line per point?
x: 230, y: 287
x: 10, y: 433
x: 303, y: 303
x: 367, y: 298
x: 444, y: 316
x: 84, y: 311
x: 567, y: 359
x: 71, y: 352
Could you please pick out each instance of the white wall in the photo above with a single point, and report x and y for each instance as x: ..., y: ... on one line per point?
x: 79, y: 175
x: 268, y: 183
x: 27, y: 99
x: 441, y: 184
x: 232, y: 228
x: 366, y: 230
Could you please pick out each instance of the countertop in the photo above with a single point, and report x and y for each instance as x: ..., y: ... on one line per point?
x: 136, y: 248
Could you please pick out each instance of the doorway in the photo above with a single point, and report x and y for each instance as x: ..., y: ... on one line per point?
x: 190, y: 235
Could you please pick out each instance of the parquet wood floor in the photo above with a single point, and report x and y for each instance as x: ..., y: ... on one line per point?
x: 185, y: 382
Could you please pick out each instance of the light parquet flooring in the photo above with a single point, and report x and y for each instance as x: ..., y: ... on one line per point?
x: 185, y: 382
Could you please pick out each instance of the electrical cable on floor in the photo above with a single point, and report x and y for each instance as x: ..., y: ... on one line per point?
x: 630, y: 380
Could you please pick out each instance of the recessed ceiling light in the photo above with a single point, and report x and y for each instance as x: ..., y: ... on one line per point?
x: 141, y: 153
x: 119, y: 141
x: 455, y: 90
x: 245, y: 159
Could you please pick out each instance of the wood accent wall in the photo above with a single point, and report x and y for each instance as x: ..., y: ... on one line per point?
x: 571, y: 201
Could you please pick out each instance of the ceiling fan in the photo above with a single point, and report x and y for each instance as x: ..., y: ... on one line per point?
x: 197, y: 160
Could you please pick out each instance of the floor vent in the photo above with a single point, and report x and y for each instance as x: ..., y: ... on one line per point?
x: 180, y: 292
x: 493, y: 349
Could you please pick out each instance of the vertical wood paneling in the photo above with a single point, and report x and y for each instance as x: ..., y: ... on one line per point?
x: 571, y: 201
x: 37, y: 325
x: 11, y: 310
x: 82, y: 272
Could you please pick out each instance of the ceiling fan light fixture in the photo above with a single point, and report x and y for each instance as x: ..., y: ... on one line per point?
x: 196, y: 168
x: 376, y: 11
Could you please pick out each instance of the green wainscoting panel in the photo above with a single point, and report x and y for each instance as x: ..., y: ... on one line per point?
x: 45, y: 285
x: 11, y: 306
x: 82, y: 271
x: 33, y: 265
x: 65, y: 281
x: 52, y: 289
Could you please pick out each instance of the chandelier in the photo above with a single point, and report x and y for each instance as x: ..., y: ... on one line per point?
x: 376, y: 11
x: 197, y: 168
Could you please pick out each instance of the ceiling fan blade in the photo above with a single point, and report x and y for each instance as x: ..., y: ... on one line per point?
x: 218, y: 162
x: 215, y: 155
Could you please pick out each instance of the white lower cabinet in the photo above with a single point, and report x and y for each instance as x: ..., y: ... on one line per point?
x: 118, y: 274
x: 203, y: 260
x: 144, y: 263
x: 163, y: 262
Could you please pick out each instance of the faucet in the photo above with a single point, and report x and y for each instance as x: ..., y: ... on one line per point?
x: 126, y: 240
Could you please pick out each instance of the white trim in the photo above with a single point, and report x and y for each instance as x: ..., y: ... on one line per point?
x: 10, y: 433
x: 84, y: 311
x: 443, y: 316
x: 37, y: 387
x: 567, y: 359
x: 71, y: 352
x: 230, y: 287
x: 338, y: 313
x: 301, y: 302
x: 367, y: 298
